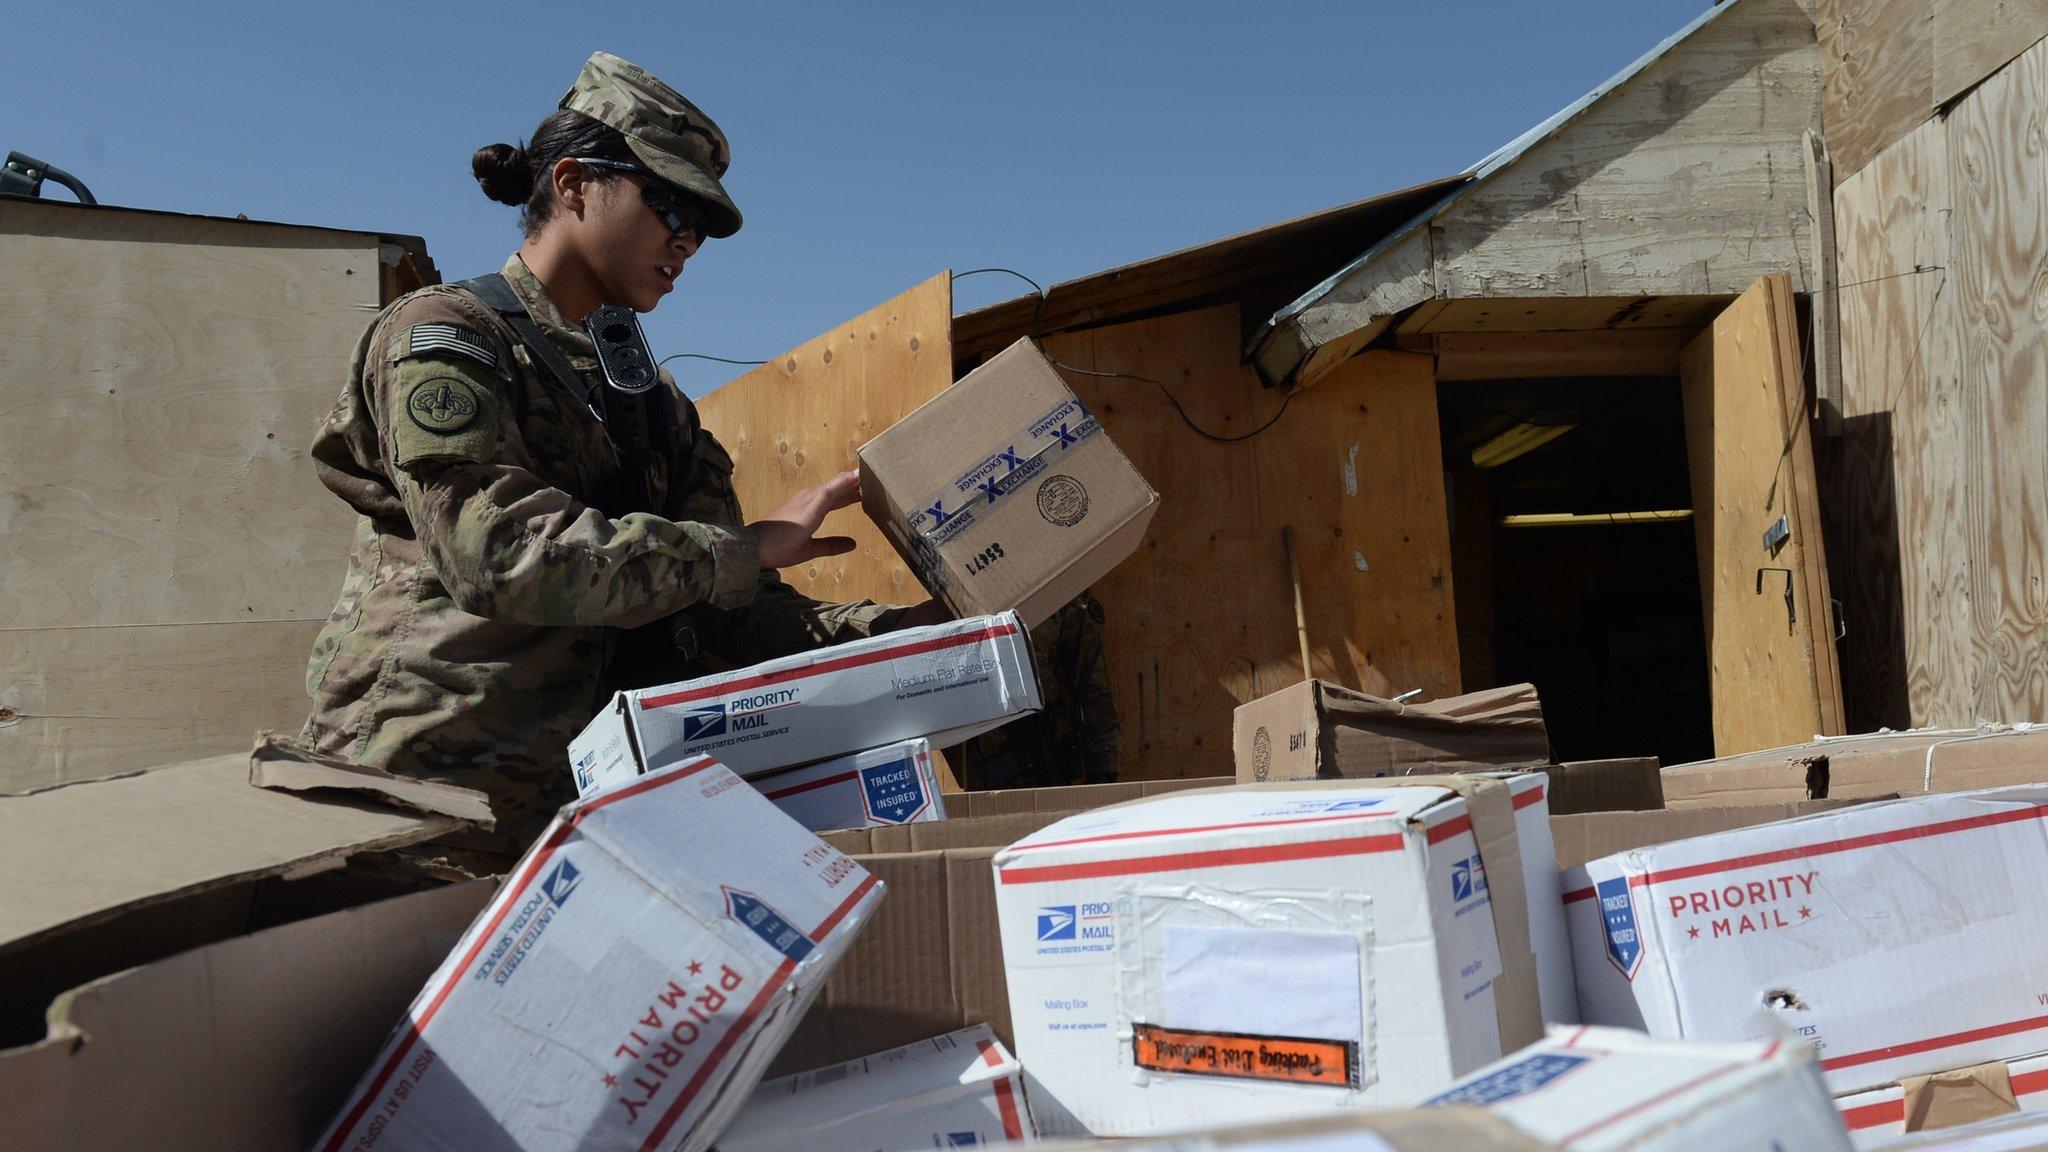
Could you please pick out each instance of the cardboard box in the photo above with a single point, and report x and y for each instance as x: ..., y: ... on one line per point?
x: 946, y: 683
x: 1860, y: 767
x: 881, y: 787
x: 1549, y: 938
x: 1631, y: 784
x: 248, y: 1042
x: 1071, y: 797
x: 1587, y: 836
x: 1900, y: 938
x: 1003, y: 493
x: 957, y: 1090
x: 125, y: 871
x: 1264, y: 952
x: 1946, y: 1100
x: 1315, y: 730
x: 1605, y: 1088
x: 1431, y: 1130
x: 2018, y: 1132
x: 1586, y: 1090
x: 628, y: 985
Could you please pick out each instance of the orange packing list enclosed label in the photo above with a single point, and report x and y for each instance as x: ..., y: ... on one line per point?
x: 1280, y: 1059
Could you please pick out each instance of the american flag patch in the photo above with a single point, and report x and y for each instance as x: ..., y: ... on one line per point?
x: 449, y: 339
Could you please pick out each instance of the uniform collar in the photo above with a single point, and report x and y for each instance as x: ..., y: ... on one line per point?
x: 531, y: 292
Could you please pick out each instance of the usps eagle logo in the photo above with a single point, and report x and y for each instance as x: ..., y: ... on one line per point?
x: 1056, y: 923
x: 704, y: 723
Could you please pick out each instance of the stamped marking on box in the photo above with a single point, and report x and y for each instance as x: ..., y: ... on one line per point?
x: 1235, y: 1056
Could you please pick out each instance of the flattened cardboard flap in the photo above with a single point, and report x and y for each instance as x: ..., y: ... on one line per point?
x: 170, y: 832
x: 1963, y: 1096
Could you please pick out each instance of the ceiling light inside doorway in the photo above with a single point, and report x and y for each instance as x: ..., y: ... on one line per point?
x: 1515, y: 442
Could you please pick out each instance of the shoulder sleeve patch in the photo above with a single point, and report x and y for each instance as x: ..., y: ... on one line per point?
x: 439, y: 410
x: 437, y: 339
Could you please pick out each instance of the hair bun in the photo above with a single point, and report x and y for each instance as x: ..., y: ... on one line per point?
x: 505, y: 172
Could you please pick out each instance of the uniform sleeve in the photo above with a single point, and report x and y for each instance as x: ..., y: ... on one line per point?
x: 507, y: 545
x: 778, y: 620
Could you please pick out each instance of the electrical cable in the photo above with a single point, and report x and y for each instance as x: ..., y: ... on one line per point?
x: 702, y: 356
x: 1038, y: 311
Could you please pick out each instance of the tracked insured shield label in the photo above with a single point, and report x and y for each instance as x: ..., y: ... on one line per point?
x: 1274, y: 1059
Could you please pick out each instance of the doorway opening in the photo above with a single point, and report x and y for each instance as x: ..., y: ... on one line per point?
x: 1574, y: 558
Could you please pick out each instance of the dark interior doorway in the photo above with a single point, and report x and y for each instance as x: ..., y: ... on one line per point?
x: 1565, y: 576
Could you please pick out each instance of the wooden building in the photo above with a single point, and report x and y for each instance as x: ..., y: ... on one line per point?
x: 1585, y: 276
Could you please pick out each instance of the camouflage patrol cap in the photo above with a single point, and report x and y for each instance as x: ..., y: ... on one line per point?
x: 670, y: 135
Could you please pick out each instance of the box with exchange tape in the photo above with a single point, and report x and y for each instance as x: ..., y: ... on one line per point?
x: 1003, y: 492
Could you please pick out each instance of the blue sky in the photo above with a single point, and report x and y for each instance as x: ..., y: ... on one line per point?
x: 874, y: 144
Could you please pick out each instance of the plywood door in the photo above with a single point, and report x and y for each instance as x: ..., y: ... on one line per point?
x: 1772, y: 655
x: 801, y: 418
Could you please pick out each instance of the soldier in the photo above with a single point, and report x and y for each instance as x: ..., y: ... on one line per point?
x: 1075, y: 738
x: 511, y: 532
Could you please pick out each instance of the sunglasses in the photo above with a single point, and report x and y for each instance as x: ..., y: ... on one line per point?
x: 678, y: 212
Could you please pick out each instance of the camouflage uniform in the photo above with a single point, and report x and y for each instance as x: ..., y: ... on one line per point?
x: 502, y: 552
x: 1075, y: 738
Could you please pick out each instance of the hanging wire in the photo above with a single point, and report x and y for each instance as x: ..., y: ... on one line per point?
x: 1038, y: 311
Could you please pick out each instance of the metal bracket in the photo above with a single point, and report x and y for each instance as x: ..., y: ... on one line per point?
x: 1791, y: 609
x: 1776, y: 535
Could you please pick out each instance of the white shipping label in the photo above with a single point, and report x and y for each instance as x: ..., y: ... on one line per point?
x: 1264, y: 985
x: 1262, y: 981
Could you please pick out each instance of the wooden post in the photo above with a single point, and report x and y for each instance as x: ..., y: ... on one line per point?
x: 1300, y: 612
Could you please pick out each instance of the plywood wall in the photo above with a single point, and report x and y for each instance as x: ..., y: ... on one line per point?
x: 166, y: 554
x: 1888, y: 66
x: 1201, y: 619
x: 801, y: 418
x: 1943, y: 243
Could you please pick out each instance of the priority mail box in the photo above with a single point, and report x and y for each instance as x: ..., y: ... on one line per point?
x: 1947, y: 1100
x: 962, y: 1089
x: 1548, y: 937
x: 945, y: 682
x: 1900, y: 938
x: 878, y: 788
x: 1582, y: 1090
x: 1262, y: 952
x: 628, y: 984
x: 1593, y: 1089
x: 1003, y: 492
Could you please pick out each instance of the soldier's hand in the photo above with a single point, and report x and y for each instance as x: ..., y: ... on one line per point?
x: 789, y: 534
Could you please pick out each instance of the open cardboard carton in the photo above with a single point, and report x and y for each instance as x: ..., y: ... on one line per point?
x: 142, y: 1012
